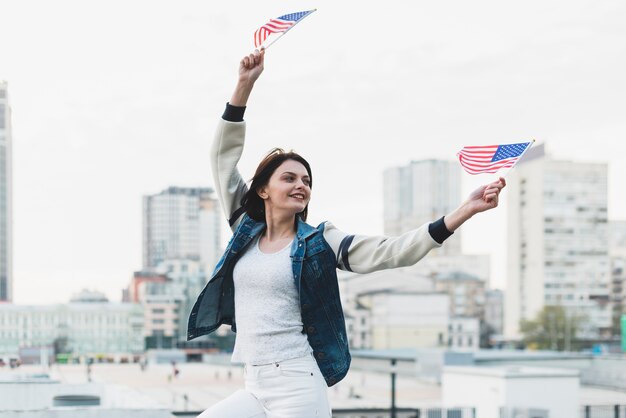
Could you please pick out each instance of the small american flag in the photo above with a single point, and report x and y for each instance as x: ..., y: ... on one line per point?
x: 280, y: 24
x: 491, y: 158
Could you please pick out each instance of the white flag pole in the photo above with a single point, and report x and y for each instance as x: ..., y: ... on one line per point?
x: 291, y: 27
x: 518, y: 160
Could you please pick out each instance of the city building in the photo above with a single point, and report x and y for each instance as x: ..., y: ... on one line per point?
x: 6, y: 197
x: 358, y: 326
x: 617, y: 252
x: 187, y: 279
x: 167, y: 295
x: 401, y: 319
x: 181, y: 224
x: 466, y: 292
x: 422, y: 192
x: 558, y: 242
x: 464, y: 333
x: 82, y: 327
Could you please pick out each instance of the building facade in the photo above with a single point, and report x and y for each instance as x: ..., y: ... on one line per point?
x: 181, y: 223
x: 358, y: 326
x: 464, y: 333
x: 422, y: 192
x: 617, y: 252
x: 6, y: 197
x: 167, y: 295
x: 558, y: 242
x: 466, y: 292
x: 81, y: 328
x: 407, y: 319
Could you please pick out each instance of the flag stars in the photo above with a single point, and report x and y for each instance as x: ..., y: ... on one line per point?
x: 509, y: 151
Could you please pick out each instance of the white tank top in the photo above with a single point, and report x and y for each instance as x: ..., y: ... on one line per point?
x: 267, y: 308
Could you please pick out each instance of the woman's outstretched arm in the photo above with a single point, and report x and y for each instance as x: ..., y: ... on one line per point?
x: 229, y: 140
x: 365, y: 254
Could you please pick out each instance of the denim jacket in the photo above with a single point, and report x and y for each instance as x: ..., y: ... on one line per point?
x: 315, y: 276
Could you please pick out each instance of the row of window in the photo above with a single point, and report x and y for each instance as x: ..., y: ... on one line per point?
x: 52, y: 321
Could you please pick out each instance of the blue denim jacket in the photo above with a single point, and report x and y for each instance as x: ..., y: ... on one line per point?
x: 314, y: 271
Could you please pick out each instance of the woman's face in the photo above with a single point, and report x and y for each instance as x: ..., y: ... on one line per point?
x: 289, y: 188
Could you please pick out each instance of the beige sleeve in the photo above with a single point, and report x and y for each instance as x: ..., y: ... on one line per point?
x: 225, y: 154
x: 365, y: 254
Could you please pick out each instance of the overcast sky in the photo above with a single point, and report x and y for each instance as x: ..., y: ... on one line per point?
x: 113, y: 100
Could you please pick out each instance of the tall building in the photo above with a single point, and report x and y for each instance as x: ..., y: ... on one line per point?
x: 558, y: 242
x: 6, y: 198
x: 181, y: 224
x: 422, y: 192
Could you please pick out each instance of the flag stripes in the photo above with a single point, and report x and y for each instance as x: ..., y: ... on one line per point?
x: 490, y: 158
x: 279, y: 25
x: 273, y: 26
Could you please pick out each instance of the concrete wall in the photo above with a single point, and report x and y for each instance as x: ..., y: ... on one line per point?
x: 490, y: 389
x: 26, y: 399
x: 87, y: 413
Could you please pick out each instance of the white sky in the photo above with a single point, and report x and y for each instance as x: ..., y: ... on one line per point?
x: 113, y: 100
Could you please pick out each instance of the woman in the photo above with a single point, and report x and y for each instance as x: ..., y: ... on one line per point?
x: 290, y: 326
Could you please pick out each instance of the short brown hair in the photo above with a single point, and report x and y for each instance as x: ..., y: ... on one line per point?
x: 251, y: 201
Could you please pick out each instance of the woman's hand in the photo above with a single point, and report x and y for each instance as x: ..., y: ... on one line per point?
x: 250, y: 68
x: 480, y: 200
x: 485, y: 197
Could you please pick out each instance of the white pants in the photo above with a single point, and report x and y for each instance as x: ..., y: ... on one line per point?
x: 289, y: 389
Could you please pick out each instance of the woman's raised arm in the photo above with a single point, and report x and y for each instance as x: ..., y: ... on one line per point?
x: 229, y: 141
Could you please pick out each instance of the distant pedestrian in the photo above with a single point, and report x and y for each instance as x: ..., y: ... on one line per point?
x: 89, y: 370
x: 279, y: 273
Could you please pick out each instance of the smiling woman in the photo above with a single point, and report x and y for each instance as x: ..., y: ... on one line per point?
x: 276, y: 284
x: 280, y: 170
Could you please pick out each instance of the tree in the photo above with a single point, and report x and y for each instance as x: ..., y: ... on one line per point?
x: 554, y: 328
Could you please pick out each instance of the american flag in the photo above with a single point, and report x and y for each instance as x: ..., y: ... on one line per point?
x: 491, y: 158
x: 280, y: 24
